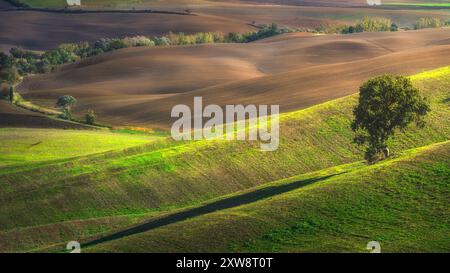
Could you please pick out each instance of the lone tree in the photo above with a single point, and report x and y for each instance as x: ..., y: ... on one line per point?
x: 386, y: 103
x: 66, y: 103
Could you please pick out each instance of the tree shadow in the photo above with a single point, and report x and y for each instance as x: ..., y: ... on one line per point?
x: 227, y: 203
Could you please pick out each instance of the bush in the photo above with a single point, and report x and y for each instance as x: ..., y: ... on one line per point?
x: 162, y: 41
x: 368, y: 24
x: 65, y: 53
x: 234, y: 37
x: 107, y: 44
x: 138, y: 41
x: 90, y: 117
x: 373, y: 24
x: 429, y: 22
x: 394, y: 27
x: 66, y: 114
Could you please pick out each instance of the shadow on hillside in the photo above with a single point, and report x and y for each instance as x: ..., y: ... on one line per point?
x: 227, y: 203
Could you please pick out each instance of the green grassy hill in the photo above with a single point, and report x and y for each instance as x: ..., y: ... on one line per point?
x: 27, y: 146
x: 94, y: 194
x: 401, y: 203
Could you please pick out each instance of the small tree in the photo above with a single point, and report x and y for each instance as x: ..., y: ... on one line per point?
x: 66, y: 114
x: 90, y: 117
x: 386, y: 103
x: 394, y: 27
x: 66, y: 103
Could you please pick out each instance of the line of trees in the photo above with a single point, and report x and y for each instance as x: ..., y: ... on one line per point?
x: 377, y: 24
x: 367, y: 24
x: 32, y: 62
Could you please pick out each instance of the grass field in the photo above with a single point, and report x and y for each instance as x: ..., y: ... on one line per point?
x: 126, y: 185
x: 28, y: 146
x: 401, y: 203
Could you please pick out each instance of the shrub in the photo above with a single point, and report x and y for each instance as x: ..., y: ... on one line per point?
x: 66, y: 114
x: 394, y: 27
x: 138, y: 41
x: 162, y: 41
x: 90, y: 117
x: 368, y: 24
x: 234, y: 37
x: 107, y: 44
x: 429, y: 22
x: 63, y: 54
x: 372, y: 24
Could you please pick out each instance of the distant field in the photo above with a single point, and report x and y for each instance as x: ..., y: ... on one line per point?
x: 166, y: 176
x: 148, y: 82
x: 101, y: 3
x: 42, y: 30
x: 28, y: 146
x: 442, y: 5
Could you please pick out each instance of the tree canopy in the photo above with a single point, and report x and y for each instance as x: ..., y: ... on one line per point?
x: 66, y: 102
x: 386, y: 103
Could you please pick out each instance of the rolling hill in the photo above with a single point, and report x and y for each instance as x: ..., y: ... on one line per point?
x: 44, y: 30
x: 401, y: 203
x: 91, y: 196
x: 139, y: 86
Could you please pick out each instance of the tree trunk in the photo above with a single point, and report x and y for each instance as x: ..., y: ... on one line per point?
x: 11, y: 93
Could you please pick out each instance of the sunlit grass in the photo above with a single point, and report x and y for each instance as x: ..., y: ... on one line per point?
x: 25, y: 146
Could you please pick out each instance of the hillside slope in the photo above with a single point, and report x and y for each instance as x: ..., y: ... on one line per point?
x: 401, y: 203
x: 164, y: 176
